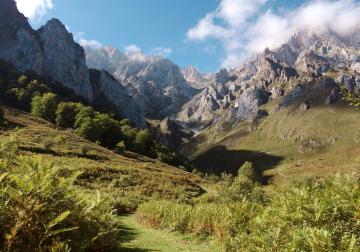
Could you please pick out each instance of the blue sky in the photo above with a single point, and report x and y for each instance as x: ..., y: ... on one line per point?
x: 208, y: 34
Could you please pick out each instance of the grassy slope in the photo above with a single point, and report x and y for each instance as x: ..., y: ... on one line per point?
x: 288, y: 145
x: 100, y: 167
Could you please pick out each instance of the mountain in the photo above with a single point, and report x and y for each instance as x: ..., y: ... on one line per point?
x: 155, y: 82
x: 282, y: 110
x: 285, y: 73
x: 52, y: 52
x: 194, y: 77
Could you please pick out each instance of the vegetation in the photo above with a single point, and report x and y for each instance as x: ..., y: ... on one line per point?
x: 57, y: 104
x: 353, y: 98
x: 44, y: 106
x: 318, y: 215
x: 40, y: 208
x: 100, y: 167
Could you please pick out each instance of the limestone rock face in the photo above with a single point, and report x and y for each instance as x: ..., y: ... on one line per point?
x: 63, y: 59
x: 157, y: 84
x: 250, y: 101
x: 18, y: 42
x: 52, y: 52
x: 194, y: 77
x: 287, y: 74
x: 105, y: 85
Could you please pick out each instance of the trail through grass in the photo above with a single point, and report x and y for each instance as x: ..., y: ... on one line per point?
x: 147, y: 239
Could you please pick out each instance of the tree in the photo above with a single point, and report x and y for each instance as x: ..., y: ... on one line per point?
x: 45, y: 106
x: 84, y: 113
x: 66, y: 114
x: 88, y: 130
x: 143, y: 141
x: 129, y: 134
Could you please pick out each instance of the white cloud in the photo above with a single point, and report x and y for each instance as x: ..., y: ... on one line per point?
x: 34, y: 8
x: 161, y: 51
x: 245, y: 27
x: 131, y: 49
x: 80, y: 38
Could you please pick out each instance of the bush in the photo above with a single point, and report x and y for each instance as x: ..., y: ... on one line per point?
x: 45, y: 106
x: 317, y: 216
x: 143, y: 141
x: 66, y: 114
x: 120, y: 147
x: 41, y: 209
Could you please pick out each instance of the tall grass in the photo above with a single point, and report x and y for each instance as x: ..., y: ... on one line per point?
x: 322, y: 215
x: 41, y: 210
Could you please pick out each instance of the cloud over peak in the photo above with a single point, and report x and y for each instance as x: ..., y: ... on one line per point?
x: 34, y: 8
x: 245, y: 27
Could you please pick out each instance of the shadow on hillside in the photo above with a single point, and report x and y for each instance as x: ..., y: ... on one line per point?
x: 219, y: 159
x: 39, y: 150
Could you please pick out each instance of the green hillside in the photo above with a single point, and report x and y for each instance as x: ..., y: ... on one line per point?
x: 287, y: 145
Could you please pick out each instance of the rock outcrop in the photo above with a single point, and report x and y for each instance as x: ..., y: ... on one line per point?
x: 105, y: 86
x: 52, y: 53
x: 195, y: 78
x: 156, y: 83
x: 288, y: 74
x: 63, y: 59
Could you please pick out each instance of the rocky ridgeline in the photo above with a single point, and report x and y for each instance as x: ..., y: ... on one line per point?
x: 52, y: 52
x: 300, y: 67
x: 157, y: 84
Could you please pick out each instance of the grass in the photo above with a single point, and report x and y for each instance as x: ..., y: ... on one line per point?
x: 320, y: 142
x: 321, y: 215
x: 148, y: 239
x: 101, y: 167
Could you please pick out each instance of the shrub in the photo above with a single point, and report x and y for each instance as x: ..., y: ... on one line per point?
x: 41, y: 210
x: 120, y: 147
x: 45, y: 106
x: 247, y: 170
x: 315, y: 216
x: 66, y: 114
x: 83, y: 114
x: 143, y: 141
x: 22, y: 80
x: 123, y: 182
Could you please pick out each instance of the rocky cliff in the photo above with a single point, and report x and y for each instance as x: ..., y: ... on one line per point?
x: 156, y: 83
x: 287, y: 74
x: 52, y: 52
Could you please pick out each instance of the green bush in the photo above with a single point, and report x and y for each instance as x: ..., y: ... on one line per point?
x: 41, y: 209
x: 45, y: 106
x: 120, y: 147
x: 66, y: 114
x: 317, y: 216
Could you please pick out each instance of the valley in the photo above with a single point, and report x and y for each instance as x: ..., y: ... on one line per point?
x: 110, y: 150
